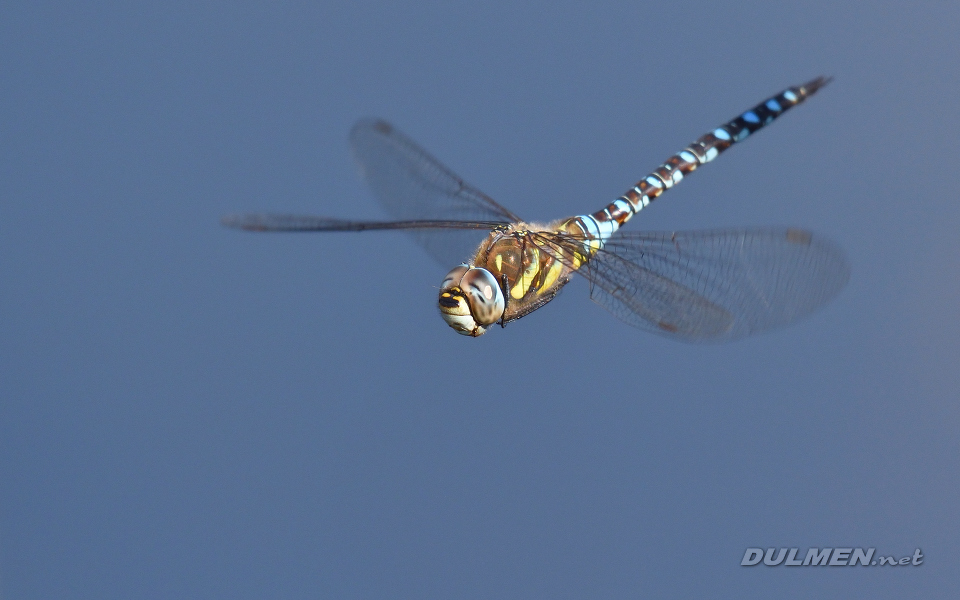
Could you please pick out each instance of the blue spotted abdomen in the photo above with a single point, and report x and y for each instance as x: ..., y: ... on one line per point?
x: 700, y: 152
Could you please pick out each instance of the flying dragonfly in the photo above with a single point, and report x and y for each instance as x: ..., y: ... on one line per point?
x: 692, y: 286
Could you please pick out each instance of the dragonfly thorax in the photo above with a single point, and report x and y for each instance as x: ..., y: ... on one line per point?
x: 510, y: 256
x: 470, y: 300
x: 529, y: 267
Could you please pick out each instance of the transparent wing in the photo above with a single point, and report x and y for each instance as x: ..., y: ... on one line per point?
x: 275, y: 222
x: 413, y: 186
x: 712, y: 285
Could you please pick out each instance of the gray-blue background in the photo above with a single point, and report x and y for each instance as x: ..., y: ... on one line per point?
x: 188, y: 411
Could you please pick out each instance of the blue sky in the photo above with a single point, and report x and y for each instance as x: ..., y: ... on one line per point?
x: 192, y: 411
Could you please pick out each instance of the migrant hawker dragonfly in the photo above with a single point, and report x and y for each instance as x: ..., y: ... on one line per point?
x: 693, y: 286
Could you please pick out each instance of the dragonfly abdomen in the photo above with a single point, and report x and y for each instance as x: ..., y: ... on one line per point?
x: 702, y: 151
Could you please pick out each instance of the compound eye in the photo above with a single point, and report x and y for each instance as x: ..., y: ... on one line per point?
x: 484, y: 295
x: 453, y: 277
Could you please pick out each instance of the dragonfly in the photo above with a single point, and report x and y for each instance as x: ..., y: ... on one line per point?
x: 711, y: 285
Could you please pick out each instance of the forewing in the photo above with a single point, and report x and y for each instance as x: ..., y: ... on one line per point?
x: 412, y: 185
x: 714, y: 285
x: 277, y: 222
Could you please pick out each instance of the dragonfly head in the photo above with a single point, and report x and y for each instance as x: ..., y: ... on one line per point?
x: 470, y: 300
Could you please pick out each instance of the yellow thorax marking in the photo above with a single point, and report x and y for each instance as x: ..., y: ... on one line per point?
x: 555, y: 269
x: 526, y: 278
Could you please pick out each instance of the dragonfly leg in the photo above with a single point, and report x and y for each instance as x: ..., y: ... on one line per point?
x: 506, y: 299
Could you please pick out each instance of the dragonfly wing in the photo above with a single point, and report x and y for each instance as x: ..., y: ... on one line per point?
x: 412, y: 186
x: 277, y: 222
x: 715, y: 285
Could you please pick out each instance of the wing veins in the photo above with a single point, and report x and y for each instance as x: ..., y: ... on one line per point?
x: 761, y: 278
x: 306, y: 223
